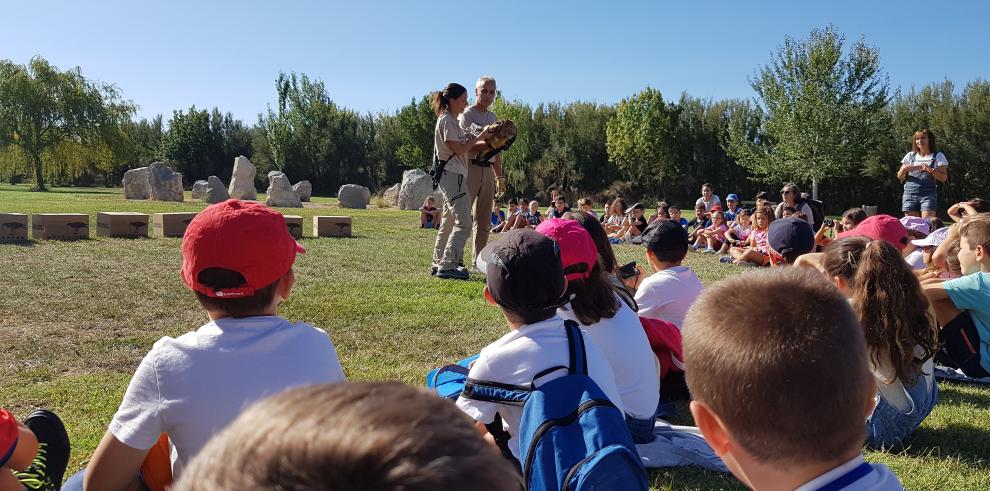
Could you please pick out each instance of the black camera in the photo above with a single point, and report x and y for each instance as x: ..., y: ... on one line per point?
x: 829, y: 223
x: 628, y: 270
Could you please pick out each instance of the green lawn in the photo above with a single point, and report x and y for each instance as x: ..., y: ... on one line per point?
x: 78, y: 316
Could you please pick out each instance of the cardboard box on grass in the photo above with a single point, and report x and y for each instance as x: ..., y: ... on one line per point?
x: 331, y: 226
x: 62, y: 226
x: 295, y: 225
x: 121, y: 224
x: 13, y: 226
x: 172, y: 224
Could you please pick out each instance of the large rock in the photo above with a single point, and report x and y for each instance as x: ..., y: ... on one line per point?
x: 242, y: 181
x: 215, y: 191
x: 199, y: 189
x: 136, y: 183
x: 391, y: 196
x: 304, y: 189
x: 354, y: 196
x: 416, y: 186
x: 280, y: 192
x: 164, y: 184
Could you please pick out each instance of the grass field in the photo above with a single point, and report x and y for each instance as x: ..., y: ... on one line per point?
x: 76, y: 318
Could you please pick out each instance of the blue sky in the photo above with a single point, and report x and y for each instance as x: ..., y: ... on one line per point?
x: 378, y: 55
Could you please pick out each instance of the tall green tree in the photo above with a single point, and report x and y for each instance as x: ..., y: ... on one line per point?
x: 822, y: 110
x: 201, y: 143
x: 42, y: 107
x: 641, y: 139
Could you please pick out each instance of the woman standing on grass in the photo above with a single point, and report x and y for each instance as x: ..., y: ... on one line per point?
x: 921, y: 169
x: 451, y: 145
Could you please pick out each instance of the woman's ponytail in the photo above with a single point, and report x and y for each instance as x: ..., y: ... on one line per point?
x: 440, y: 100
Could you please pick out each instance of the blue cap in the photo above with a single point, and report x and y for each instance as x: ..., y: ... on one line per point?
x: 732, y: 197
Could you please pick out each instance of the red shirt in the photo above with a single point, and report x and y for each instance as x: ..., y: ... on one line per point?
x: 8, y: 436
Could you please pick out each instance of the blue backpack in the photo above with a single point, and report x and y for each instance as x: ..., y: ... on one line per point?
x: 571, y: 436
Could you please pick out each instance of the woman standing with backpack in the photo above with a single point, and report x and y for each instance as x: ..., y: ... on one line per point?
x: 921, y: 169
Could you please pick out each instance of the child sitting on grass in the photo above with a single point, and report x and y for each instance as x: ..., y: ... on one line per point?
x: 429, y: 215
x: 531, y: 218
x: 700, y: 221
x: 712, y: 237
x: 609, y: 323
x: 901, y: 335
x: 962, y: 305
x: 350, y: 436
x: 33, y: 455
x: 525, y: 280
x: 586, y: 205
x: 498, y: 216
x: 675, y: 216
x: 757, y: 248
x: 237, y: 257
x: 671, y: 289
x: 781, y: 394
x: 739, y: 232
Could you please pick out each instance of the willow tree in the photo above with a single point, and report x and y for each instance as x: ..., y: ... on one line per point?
x: 822, y: 110
x: 42, y: 107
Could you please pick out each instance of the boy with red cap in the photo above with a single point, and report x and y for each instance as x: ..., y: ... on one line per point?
x: 525, y: 279
x: 237, y: 257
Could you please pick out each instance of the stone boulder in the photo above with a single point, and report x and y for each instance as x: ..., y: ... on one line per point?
x: 416, y: 186
x: 199, y: 189
x: 304, y: 189
x: 164, y: 184
x: 216, y: 192
x: 242, y: 181
x: 354, y: 196
x: 391, y: 196
x: 280, y: 192
x: 136, y: 183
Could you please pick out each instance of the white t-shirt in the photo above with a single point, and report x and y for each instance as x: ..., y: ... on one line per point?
x: 709, y: 204
x: 448, y: 130
x: 517, y: 357
x: 918, y: 177
x: 891, y: 388
x: 625, y: 345
x: 667, y: 294
x: 916, y: 259
x: 193, y: 386
x: 740, y: 232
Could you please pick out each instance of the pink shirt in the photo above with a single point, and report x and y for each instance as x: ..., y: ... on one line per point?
x: 719, y: 231
x: 760, y: 239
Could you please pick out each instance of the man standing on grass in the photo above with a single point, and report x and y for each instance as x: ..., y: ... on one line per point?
x: 482, y: 176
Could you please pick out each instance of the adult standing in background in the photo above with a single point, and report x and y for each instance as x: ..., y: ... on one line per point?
x: 921, y: 169
x: 452, y: 146
x: 482, y: 175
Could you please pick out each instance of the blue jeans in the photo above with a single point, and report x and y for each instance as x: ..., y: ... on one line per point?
x: 888, y: 426
x: 75, y: 483
x: 641, y: 429
x: 919, y: 199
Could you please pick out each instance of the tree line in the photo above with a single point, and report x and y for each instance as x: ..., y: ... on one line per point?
x: 822, y: 114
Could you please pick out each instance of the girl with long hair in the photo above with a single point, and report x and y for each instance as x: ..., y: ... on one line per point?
x: 757, y: 248
x: 451, y: 145
x: 900, y: 331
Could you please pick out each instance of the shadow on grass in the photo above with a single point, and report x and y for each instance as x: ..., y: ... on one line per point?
x: 969, y: 443
x: 18, y: 242
x: 947, y: 395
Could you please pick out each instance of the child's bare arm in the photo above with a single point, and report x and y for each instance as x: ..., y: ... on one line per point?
x: 25, y: 451
x: 114, y: 466
x: 483, y: 431
x: 935, y: 291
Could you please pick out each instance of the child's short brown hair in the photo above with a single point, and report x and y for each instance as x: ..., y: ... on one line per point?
x: 238, y: 307
x: 361, y: 435
x: 789, y: 380
x: 584, y: 202
x: 976, y: 229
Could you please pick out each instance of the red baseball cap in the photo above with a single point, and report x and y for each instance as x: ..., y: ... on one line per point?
x: 575, y: 243
x: 882, y: 227
x: 249, y: 238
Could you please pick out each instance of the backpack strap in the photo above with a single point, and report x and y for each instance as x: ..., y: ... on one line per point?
x: 494, y: 392
x: 575, y: 342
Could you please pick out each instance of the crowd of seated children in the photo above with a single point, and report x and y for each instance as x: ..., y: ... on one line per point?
x: 331, y: 437
x: 586, y: 205
x: 525, y: 280
x: 610, y: 323
x: 33, y: 454
x: 606, y: 256
x: 498, y: 216
x: 192, y: 386
x: 701, y: 220
x: 508, y: 216
x: 614, y: 216
x: 962, y: 305
x: 711, y: 238
x: 900, y: 331
x: 662, y: 212
x: 671, y: 289
x: 738, y: 232
x: 429, y: 215
x: 756, y: 250
x: 532, y: 217
x: 759, y: 374
x: 632, y: 227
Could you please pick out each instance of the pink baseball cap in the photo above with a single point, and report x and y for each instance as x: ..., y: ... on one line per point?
x: 577, y: 249
x: 882, y: 227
